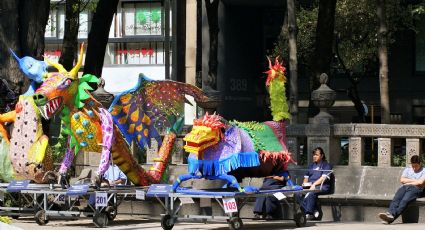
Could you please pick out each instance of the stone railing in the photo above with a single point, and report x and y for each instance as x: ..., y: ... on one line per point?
x: 328, y: 137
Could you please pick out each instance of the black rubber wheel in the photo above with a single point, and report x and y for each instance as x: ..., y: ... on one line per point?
x: 166, y: 223
x: 100, y: 219
x: 318, y: 214
x: 40, y: 217
x: 235, y: 223
x: 15, y: 217
x: 111, y: 212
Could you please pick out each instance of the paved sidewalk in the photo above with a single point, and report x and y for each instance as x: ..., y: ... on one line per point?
x: 124, y: 222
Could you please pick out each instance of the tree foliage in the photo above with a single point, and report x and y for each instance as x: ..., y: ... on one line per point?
x: 356, y: 30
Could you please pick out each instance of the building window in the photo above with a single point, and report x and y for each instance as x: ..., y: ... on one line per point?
x: 55, y: 27
x: 143, y: 53
x: 142, y: 18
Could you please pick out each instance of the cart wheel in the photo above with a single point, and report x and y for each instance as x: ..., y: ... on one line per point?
x: 300, y: 219
x: 40, y: 217
x: 111, y: 213
x: 235, y: 223
x: 15, y: 217
x: 318, y: 214
x: 100, y: 219
x: 166, y: 222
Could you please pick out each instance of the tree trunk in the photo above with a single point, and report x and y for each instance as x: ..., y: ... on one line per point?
x: 98, y: 36
x: 293, y: 62
x: 324, y: 39
x: 212, y: 15
x: 383, y: 62
x: 70, y: 39
x: 22, y: 26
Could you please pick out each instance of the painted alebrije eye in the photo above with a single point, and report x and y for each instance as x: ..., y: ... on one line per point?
x: 67, y: 82
x: 85, y: 123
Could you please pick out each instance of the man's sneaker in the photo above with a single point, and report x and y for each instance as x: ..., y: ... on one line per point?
x: 387, y: 217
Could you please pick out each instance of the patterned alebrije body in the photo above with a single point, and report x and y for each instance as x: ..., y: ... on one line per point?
x: 151, y: 107
x: 28, y: 144
x: 137, y: 114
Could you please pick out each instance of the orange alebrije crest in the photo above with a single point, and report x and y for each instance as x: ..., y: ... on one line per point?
x: 212, y: 121
x: 275, y: 71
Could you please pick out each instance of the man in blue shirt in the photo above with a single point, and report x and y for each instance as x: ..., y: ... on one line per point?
x: 413, y: 183
x: 317, y: 177
x: 114, y: 176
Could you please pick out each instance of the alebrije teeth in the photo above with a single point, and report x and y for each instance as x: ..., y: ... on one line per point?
x: 85, y: 123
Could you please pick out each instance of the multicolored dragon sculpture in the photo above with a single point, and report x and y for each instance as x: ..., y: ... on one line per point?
x: 231, y: 151
x: 137, y: 114
x: 24, y: 155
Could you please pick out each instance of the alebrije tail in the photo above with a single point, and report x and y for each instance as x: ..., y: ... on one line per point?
x: 276, y: 86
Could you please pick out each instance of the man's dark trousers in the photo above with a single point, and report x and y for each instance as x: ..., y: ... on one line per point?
x: 404, y: 195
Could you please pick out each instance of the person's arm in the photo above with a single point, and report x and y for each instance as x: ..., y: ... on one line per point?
x: 117, y: 182
x: 324, y: 176
x: 404, y: 179
x: 279, y: 178
x: 407, y: 181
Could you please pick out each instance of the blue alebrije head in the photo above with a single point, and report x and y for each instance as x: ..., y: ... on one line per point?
x: 32, y: 68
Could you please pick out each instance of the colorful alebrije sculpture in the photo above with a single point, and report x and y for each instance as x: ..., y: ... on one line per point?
x: 138, y: 114
x: 231, y: 151
x: 24, y: 156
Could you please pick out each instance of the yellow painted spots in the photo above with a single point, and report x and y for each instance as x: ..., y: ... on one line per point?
x: 126, y: 108
x: 125, y: 98
x: 146, y: 132
x: 139, y: 137
x: 135, y: 115
x: 116, y: 110
x: 146, y: 119
x: 139, y: 127
x: 131, y: 128
x: 122, y: 120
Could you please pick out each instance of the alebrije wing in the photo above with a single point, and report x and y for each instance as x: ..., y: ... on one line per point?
x: 140, y: 113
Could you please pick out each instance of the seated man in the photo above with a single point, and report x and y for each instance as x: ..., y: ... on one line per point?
x: 317, y: 177
x: 413, y: 183
x: 114, y: 176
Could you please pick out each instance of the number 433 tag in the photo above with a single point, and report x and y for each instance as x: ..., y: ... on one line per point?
x: 230, y: 205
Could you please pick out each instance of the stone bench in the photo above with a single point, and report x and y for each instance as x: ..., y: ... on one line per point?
x: 367, y: 191
x: 360, y: 193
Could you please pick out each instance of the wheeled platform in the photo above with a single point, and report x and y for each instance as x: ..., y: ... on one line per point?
x: 230, y: 201
x: 102, y: 205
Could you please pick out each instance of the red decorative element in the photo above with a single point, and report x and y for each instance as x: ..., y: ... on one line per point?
x: 211, y: 121
x: 150, y: 52
x: 275, y: 70
x: 144, y: 51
